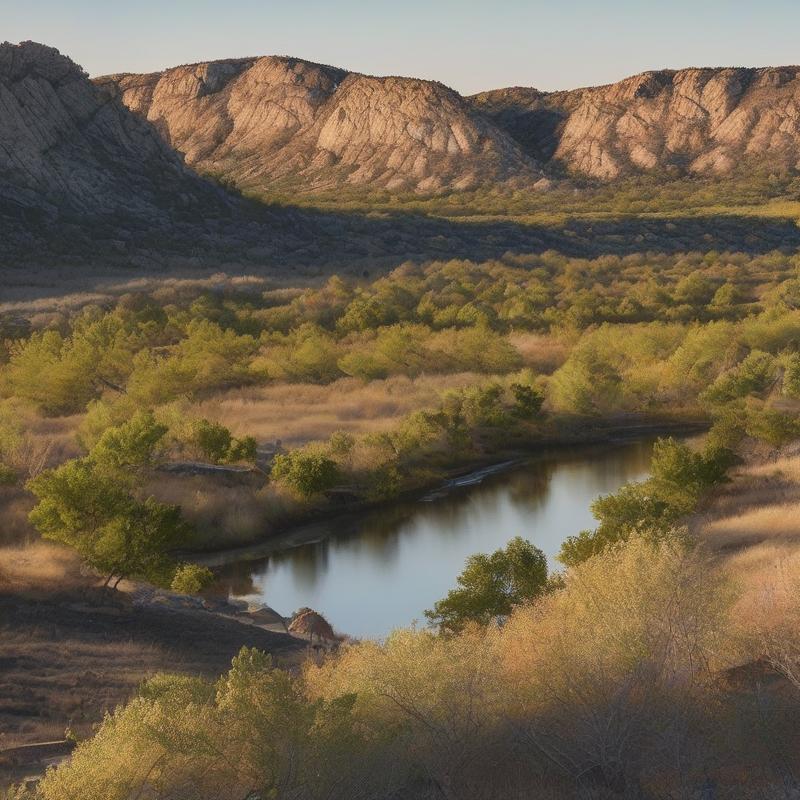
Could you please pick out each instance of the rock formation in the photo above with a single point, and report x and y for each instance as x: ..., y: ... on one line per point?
x: 693, y: 121
x: 276, y: 121
x: 69, y: 147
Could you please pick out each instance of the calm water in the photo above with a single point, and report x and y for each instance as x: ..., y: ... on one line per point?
x: 377, y: 571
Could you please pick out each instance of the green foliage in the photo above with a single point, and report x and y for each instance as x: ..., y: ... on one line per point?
x: 771, y: 425
x: 491, y: 585
x: 791, y: 377
x: 212, y: 439
x: 306, y: 472
x: 52, y: 373
x: 754, y: 375
x: 652, y: 508
x: 89, y: 505
x: 527, y: 400
x: 588, y: 383
x: 8, y: 475
x: 216, y: 443
x: 191, y: 579
x: 253, y: 733
x: 130, y: 446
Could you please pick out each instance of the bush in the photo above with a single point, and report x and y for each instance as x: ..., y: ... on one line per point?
x: 191, y: 579
x: 216, y: 443
x: 253, y: 733
x: 306, y: 472
x: 772, y: 426
x: 652, y: 508
x: 527, y: 400
x: 491, y: 585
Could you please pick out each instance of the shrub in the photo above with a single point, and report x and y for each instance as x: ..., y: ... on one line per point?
x: 491, y: 585
x: 191, y: 579
x: 253, y: 733
x: 527, y: 400
x: 775, y: 427
x: 306, y: 472
x: 652, y: 508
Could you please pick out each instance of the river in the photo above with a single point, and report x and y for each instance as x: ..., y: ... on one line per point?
x: 372, y: 572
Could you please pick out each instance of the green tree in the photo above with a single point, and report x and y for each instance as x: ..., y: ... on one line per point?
x: 93, y: 512
x: 212, y: 439
x: 307, y: 472
x: 191, y: 579
x: 651, y: 508
x: 133, y: 445
x: 527, y: 400
x: 491, y: 585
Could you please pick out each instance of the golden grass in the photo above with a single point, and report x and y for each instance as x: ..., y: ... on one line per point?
x: 39, y: 566
x: 299, y: 413
x: 543, y: 354
x: 768, y: 523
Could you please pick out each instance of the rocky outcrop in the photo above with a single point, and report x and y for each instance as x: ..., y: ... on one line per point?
x: 273, y: 121
x: 67, y: 146
x: 693, y: 121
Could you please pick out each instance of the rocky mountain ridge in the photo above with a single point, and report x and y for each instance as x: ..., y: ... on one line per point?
x: 271, y: 121
x: 67, y: 146
x: 692, y: 121
x: 256, y: 122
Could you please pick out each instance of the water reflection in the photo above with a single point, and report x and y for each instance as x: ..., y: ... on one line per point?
x: 371, y: 573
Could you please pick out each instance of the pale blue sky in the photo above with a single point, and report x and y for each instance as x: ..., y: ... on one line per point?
x: 468, y: 45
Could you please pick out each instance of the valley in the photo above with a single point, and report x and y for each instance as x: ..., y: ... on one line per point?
x: 445, y: 442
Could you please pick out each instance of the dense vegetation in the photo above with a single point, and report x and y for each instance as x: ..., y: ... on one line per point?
x: 603, y: 679
x: 607, y: 686
x: 548, y: 341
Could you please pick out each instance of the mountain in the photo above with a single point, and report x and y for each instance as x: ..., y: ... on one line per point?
x: 273, y: 121
x: 694, y: 121
x: 68, y: 147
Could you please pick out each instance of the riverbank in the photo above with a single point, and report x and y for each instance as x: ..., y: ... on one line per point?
x: 72, y: 652
x: 308, y: 525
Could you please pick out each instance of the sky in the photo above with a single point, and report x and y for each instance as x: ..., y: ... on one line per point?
x: 469, y: 45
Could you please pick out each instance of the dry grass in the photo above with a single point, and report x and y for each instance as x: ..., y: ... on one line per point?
x: 761, y: 504
x: 544, y: 354
x: 39, y: 566
x: 68, y: 656
x: 227, y: 512
x: 299, y: 413
x: 756, y: 525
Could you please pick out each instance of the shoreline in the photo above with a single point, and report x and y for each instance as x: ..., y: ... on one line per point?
x: 311, y: 527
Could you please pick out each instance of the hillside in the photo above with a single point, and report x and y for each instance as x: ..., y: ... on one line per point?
x: 68, y: 148
x: 255, y: 122
x: 694, y: 121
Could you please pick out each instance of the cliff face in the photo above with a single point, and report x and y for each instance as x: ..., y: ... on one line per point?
x: 66, y: 145
x: 258, y: 121
x: 694, y: 121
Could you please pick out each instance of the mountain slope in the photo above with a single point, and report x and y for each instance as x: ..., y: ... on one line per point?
x: 693, y: 121
x: 68, y: 147
x: 260, y: 122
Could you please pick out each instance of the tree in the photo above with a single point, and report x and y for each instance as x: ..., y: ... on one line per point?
x: 130, y: 446
x: 307, y: 472
x: 212, y: 439
x: 527, y: 400
x: 89, y: 504
x: 191, y: 579
x: 651, y: 508
x: 491, y: 585
x: 91, y: 511
x: 138, y: 542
